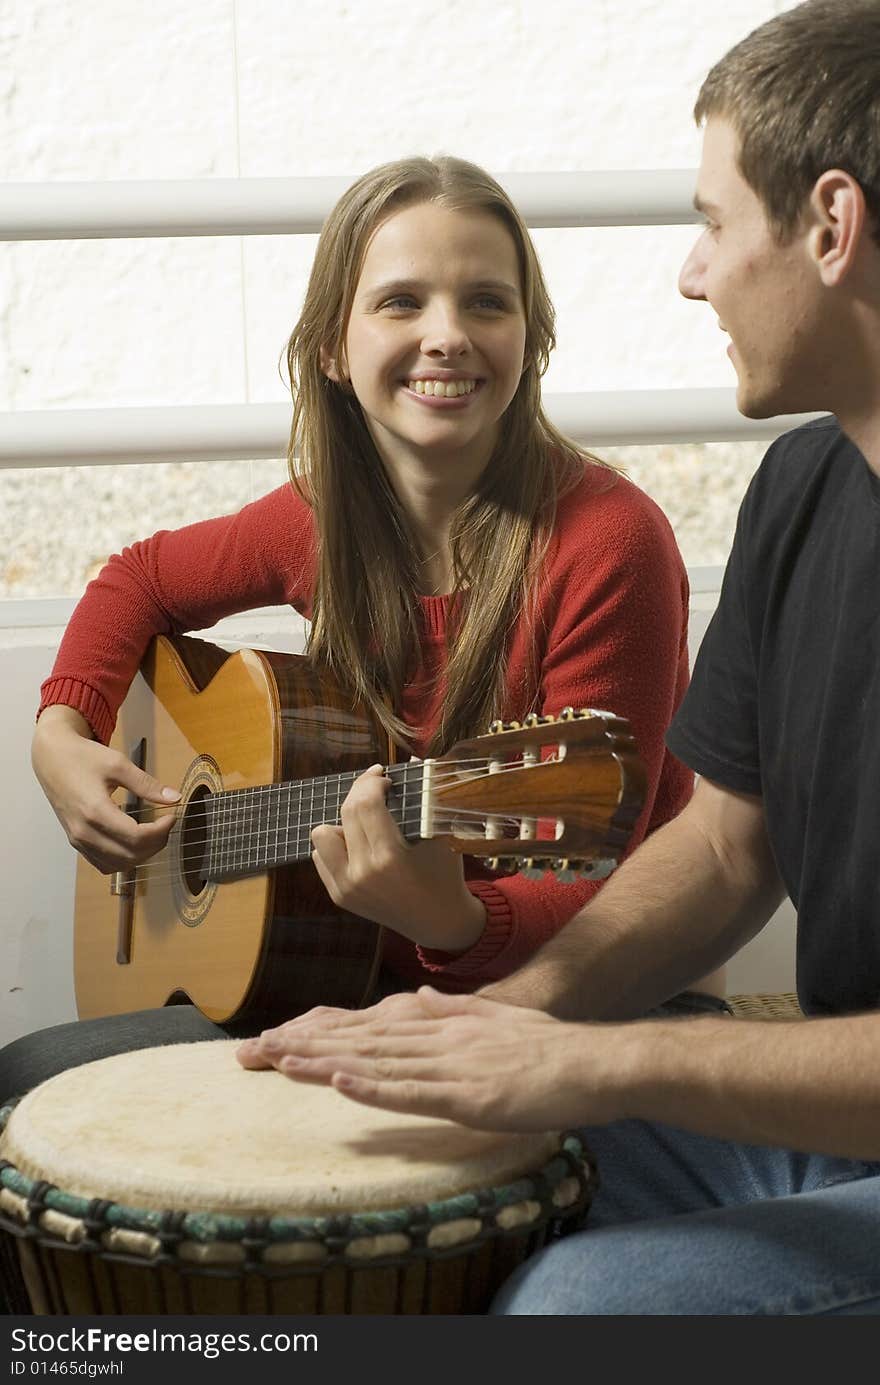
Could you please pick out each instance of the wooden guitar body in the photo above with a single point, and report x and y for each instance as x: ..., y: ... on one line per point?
x: 252, y: 950
x: 231, y: 915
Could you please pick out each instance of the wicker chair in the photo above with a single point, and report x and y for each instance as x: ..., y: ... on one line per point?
x: 781, y: 1006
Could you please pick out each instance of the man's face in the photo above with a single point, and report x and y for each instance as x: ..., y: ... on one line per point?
x: 767, y: 296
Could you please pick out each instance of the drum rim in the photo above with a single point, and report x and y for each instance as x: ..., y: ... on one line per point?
x: 334, y: 1232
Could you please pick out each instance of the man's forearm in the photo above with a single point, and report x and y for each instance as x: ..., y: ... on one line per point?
x: 691, y: 895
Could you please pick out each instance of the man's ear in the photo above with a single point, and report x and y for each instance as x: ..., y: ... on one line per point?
x: 837, y: 204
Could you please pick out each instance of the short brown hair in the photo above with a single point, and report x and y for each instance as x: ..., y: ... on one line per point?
x: 803, y: 95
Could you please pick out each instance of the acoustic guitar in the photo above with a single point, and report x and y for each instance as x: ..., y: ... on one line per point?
x: 231, y: 915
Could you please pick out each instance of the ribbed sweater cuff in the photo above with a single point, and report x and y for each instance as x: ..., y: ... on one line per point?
x: 493, y: 939
x: 70, y: 692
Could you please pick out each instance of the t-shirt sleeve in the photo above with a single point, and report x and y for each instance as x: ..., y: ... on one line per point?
x: 716, y: 728
x: 178, y: 580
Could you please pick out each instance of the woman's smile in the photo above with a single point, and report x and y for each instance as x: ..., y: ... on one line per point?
x: 443, y: 392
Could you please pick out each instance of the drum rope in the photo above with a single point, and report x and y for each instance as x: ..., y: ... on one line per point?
x: 335, y: 1233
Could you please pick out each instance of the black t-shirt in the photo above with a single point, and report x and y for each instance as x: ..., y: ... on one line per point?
x: 785, y: 698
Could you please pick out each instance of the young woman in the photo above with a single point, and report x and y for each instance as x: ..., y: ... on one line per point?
x: 458, y: 559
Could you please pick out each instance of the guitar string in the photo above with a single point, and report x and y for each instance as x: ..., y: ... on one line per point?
x: 242, y: 844
x: 194, y: 810
x: 247, y: 805
x: 244, y: 835
x: 265, y: 836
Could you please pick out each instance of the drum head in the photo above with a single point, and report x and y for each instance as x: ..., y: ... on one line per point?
x: 173, y: 1180
x: 185, y: 1126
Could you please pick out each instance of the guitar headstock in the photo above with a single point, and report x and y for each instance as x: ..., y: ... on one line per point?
x: 557, y: 794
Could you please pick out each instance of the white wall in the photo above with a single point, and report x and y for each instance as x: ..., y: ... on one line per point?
x: 115, y: 89
x: 118, y: 89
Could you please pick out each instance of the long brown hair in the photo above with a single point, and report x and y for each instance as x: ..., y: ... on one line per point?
x: 366, y: 617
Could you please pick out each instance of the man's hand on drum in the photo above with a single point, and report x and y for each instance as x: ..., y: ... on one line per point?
x: 79, y: 775
x: 462, y: 1058
x: 264, y: 1050
x: 370, y: 869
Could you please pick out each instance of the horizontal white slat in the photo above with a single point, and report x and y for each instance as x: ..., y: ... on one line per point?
x: 232, y: 432
x: 274, y: 206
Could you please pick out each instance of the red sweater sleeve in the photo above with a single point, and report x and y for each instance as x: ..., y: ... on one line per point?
x: 612, y: 634
x: 182, y: 579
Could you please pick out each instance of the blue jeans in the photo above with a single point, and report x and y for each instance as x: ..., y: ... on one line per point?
x: 684, y: 1224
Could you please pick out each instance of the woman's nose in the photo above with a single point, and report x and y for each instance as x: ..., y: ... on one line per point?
x: 445, y: 333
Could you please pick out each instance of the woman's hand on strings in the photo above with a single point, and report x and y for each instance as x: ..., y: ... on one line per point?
x: 78, y: 776
x: 369, y: 869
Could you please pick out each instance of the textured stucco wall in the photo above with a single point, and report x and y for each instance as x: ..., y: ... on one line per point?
x: 112, y: 89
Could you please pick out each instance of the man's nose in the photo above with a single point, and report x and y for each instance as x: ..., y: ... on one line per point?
x: 692, y: 276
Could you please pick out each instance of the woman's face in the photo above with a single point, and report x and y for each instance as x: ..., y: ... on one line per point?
x: 436, y: 337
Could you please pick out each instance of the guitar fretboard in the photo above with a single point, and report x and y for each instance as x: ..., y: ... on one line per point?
x: 251, y: 830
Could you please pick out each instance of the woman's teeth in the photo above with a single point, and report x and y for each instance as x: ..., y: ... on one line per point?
x: 448, y: 389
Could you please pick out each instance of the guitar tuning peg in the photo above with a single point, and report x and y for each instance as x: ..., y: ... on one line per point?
x: 541, y: 864
x: 513, y: 726
x: 531, y: 869
x: 501, y: 862
x: 532, y: 720
x: 495, y: 727
x: 597, y: 870
x: 567, y: 714
x: 564, y: 871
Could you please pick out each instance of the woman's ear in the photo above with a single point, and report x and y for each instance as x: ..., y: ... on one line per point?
x: 334, y: 367
x: 330, y: 367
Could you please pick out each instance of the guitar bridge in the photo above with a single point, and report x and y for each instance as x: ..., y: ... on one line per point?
x: 122, y: 882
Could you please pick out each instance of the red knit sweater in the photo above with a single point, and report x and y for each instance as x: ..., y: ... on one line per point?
x: 611, y: 633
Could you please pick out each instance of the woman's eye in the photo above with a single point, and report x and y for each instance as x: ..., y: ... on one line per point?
x: 400, y: 304
x: 490, y: 302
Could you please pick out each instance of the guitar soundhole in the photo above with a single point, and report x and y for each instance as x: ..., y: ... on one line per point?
x: 194, y: 841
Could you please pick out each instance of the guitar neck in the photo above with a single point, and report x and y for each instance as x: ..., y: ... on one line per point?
x: 252, y: 830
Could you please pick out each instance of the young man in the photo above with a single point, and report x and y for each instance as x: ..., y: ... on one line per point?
x: 740, y: 1161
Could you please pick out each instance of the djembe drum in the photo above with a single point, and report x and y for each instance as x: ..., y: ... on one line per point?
x: 171, y: 1180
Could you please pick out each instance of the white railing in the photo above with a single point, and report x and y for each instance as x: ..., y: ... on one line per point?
x: 262, y: 206
x: 293, y: 206
x: 235, y: 432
